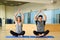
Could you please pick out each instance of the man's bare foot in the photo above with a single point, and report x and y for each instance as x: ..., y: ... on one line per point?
x: 37, y: 35
x: 40, y: 34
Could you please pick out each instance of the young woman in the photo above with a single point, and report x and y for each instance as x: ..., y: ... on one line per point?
x: 19, y: 24
x: 40, y: 25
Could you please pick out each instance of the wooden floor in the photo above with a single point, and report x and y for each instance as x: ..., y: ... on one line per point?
x: 5, y: 32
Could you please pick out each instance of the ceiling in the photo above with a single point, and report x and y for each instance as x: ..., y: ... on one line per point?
x: 12, y: 3
x: 21, y: 2
x: 35, y: 1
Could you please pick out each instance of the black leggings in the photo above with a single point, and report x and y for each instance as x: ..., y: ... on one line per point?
x: 45, y: 32
x: 16, y: 34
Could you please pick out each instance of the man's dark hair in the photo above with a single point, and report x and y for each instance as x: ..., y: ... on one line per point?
x: 40, y: 16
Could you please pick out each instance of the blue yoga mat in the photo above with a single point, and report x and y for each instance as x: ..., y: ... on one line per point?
x: 29, y: 37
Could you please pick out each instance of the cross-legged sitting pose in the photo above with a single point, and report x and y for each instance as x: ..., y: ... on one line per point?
x: 19, y: 25
x: 40, y: 23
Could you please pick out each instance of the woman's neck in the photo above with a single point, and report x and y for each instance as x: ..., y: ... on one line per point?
x: 19, y: 21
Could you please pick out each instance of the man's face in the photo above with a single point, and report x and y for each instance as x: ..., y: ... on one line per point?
x: 39, y: 18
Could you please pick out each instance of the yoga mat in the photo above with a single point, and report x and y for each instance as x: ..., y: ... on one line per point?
x: 29, y: 37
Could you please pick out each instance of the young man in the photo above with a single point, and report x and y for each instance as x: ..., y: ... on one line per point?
x: 40, y: 24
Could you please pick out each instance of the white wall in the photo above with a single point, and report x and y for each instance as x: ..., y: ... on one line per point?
x: 10, y: 10
x: 36, y: 6
x: 2, y: 14
x: 54, y: 5
x: 57, y: 5
x: 2, y: 11
x: 31, y: 6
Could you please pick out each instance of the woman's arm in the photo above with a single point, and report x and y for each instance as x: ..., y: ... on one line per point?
x: 17, y: 14
x: 22, y: 17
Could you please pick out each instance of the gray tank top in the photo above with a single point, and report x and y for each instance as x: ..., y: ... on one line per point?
x: 18, y: 27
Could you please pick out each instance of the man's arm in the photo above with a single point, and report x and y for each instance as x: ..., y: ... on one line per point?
x: 45, y: 17
x: 35, y: 17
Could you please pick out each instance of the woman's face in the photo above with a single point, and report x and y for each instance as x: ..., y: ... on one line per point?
x: 19, y: 19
